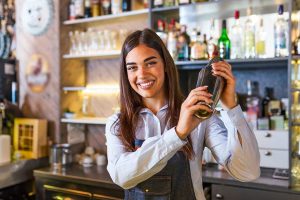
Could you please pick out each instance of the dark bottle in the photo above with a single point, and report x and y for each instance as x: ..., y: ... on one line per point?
x: 87, y: 9
x: 269, y: 95
x: 106, y: 7
x: 126, y: 5
x: 184, y: 41
x: 224, y: 43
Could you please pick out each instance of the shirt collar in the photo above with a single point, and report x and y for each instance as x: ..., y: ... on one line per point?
x: 146, y: 110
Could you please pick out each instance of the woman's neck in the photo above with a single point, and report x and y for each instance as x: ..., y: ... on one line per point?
x: 154, y: 104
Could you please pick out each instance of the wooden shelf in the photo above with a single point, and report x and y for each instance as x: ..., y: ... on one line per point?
x: 85, y: 120
x: 107, y: 17
x: 104, y: 55
x: 237, y: 63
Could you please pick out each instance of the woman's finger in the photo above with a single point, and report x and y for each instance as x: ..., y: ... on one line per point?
x: 196, y: 98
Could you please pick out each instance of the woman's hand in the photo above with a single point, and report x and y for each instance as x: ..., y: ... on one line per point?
x: 187, y: 121
x: 227, y: 98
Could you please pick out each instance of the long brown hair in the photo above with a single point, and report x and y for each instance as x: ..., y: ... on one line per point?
x: 131, y: 102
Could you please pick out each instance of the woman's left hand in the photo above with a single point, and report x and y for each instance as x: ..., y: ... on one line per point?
x: 223, y: 69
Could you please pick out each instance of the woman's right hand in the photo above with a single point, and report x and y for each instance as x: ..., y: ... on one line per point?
x: 187, y: 121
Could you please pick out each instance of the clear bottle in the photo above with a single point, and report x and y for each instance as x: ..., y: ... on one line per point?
x: 158, y: 3
x: 169, y: 3
x: 281, y: 34
x: 236, y: 38
x: 116, y: 7
x: 249, y: 38
x: 172, y: 41
x: 183, y: 44
x: 196, y: 48
x: 252, y: 102
x: 72, y: 13
x: 260, y: 43
x: 212, y: 44
x: 183, y: 2
x: 224, y: 42
x: 79, y: 9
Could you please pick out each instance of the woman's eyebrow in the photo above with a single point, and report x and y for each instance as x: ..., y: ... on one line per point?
x: 147, y: 59
x: 151, y: 57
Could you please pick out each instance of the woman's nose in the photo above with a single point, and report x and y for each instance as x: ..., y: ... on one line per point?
x: 142, y: 71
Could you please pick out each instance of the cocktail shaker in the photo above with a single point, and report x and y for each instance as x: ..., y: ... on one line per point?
x: 215, y: 85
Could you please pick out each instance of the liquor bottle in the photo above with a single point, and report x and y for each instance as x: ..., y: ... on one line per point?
x: 169, y: 3
x: 161, y: 31
x: 296, y: 43
x: 224, y: 43
x: 172, y: 41
x: 106, y: 7
x: 72, y: 14
x: 158, y: 3
x: 236, y: 38
x: 79, y: 9
x: 96, y: 11
x: 260, y: 44
x: 5, y: 41
x: 183, y: 2
x: 249, y: 39
x: 183, y: 44
x: 126, y: 5
x: 212, y: 44
x: 196, y: 46
x: 281, y: 34
x: 87, y: 9
x: 252, y: 103
x: 116, y: 7
x: 269, y: 95
x: 204, y: 47
x: 146, y: 4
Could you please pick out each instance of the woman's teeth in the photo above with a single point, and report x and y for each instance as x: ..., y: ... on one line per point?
x: 146, y: 85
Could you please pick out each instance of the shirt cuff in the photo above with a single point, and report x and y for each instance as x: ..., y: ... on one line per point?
x: 236, y: 115
x: 172, y: 138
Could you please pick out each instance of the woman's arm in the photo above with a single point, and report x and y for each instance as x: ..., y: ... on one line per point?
x: 127, y: 169
x: 237, y: 151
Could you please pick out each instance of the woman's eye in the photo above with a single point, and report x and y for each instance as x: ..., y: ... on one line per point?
x: 131, y: 68
x: 151, y: 63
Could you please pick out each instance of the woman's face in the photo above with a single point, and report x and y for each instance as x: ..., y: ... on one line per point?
x: 145, y: 71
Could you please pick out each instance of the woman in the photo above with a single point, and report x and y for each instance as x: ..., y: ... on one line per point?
x: 155, y: 143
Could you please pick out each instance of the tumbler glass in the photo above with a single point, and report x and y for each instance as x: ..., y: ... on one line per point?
x: 215, y: 85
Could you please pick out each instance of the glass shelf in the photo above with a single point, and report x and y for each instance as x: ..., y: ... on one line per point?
x: 107, y: 17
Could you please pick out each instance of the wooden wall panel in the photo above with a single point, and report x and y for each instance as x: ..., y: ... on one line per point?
x: 46, y: 103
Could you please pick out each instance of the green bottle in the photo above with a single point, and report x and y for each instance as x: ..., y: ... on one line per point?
x: 224, y: 42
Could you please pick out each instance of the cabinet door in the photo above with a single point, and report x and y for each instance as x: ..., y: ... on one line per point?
x: 237, y: 193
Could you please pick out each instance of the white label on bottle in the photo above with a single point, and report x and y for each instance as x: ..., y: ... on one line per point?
x: 9, y: 69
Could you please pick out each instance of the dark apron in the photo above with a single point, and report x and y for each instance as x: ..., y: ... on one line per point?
x: 173, y: 182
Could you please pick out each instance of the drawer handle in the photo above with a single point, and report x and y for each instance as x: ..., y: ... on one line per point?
x: 268, y: 135
x: 219, y: 196
x: 268, y: 153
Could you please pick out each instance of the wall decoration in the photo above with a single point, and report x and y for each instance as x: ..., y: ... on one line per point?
x: 37, y: 73
x: 37, y: 16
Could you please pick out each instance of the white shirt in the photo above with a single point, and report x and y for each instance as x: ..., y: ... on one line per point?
x: 127, y: 169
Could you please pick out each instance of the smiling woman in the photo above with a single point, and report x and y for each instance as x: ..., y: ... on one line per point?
x: 155, y: 142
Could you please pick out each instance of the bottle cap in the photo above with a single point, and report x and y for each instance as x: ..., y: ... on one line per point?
x: 280, y: 9
x: 236, y: 14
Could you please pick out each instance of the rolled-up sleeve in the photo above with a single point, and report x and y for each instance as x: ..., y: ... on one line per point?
x: 127, y: 169
x: 240, y: 160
